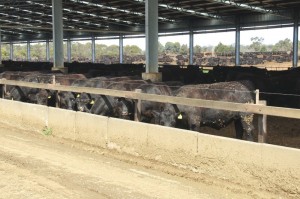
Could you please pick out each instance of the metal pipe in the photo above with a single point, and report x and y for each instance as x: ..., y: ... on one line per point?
x: 69, y: 49
x: 11, y: 54
x: 191, y: 47
x: 0, y: 48
x: 295, y: 41
x: 121, y: 49
x: 151, y: 36
x: 57, y: 14
x: 28, y: 51
x: 47, y: 51
x: 237, y: 44
x: 93, y: 49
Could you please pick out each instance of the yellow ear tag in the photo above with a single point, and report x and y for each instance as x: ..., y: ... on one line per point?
x: 179, y: 117
x: 92, y: 102
x: 49, y: 97
x: 78, y: 95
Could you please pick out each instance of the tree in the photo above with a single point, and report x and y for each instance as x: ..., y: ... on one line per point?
x: 197, y: 49
x: 113, y: 50
x: 283, y: 45
x: 131, y: 50
x: 221, y: 48
x: 257, y: 43
x: 161, y: 48
x: 184, y: 50
x: 38, y: 51
x: 20, y: 52
x: 172, y: 47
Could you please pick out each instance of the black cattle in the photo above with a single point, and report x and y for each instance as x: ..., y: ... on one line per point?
x: 86, y: 101
x: 150, y: 109
x: 239, y: 92
x: 21, y: 93
x: 116, y: 106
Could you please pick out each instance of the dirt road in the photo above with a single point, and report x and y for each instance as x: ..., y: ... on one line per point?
x: 36, y: 166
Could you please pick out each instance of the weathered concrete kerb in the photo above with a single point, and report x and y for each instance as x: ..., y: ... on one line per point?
x: 267, y: 167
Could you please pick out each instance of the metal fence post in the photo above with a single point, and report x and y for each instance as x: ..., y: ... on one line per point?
x: 137, y: 107
x: 3, y: 90
x: 262, y: 125
x: 56, y: 93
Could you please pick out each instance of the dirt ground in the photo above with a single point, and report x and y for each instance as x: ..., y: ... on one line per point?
x: 33, y: 165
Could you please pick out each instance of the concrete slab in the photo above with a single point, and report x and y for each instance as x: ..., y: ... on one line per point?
x: 62, y: 122
x: 128, y: 136
x: 91, y: 129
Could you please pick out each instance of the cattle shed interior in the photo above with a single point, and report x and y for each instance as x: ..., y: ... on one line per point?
x: 61, y: 21
x: 25, y: 21
x: 65, y: 21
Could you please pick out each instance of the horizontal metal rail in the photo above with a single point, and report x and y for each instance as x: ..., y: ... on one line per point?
x: 222, y: 105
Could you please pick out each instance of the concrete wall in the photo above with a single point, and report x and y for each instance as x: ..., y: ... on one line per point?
x: 198, y: 152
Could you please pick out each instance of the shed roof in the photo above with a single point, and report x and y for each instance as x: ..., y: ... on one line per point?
x: 32, y: 19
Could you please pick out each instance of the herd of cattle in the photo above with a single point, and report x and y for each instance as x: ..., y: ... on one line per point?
x: 151, y: 112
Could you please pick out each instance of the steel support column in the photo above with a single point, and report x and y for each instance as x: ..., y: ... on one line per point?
x: 11, y: 54
x: 191, y: 47
x: 28, y: 51
x: 151, y: 28
x: 237, y: 44
x: 58, y: 47
x: 93, y: 49
x: 47, y: 51
x: 0, y: 49
x: 69, y: 49
x: 295, y: 41
x: 121, y: 49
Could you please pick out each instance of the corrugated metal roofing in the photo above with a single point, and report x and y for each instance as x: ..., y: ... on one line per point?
x: 32, y: 20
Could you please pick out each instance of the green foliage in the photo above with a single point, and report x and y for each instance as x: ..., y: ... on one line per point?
x: 161, y: 48
x: 47, y: 131
x: 132, y: 50
x: 172, y: 47
x: 283, y: 45
x: 197, y: 49
x: 257, y: 43
x: 184, y: 50
x: 221, y: 48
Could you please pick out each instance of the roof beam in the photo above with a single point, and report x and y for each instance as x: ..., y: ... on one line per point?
x: 251, y: 7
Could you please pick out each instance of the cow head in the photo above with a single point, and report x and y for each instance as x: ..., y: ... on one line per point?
x: 123, y: 108
x: 67, y: 100
x: 84, y: 102
x: 166, y: 117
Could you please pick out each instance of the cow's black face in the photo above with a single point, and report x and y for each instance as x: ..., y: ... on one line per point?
x: 84, y: 102
x: 165, y: 118
x: 67, y: 101
x: 123, y: 108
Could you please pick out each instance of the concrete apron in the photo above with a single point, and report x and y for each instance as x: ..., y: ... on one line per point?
x: 234, y: 160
